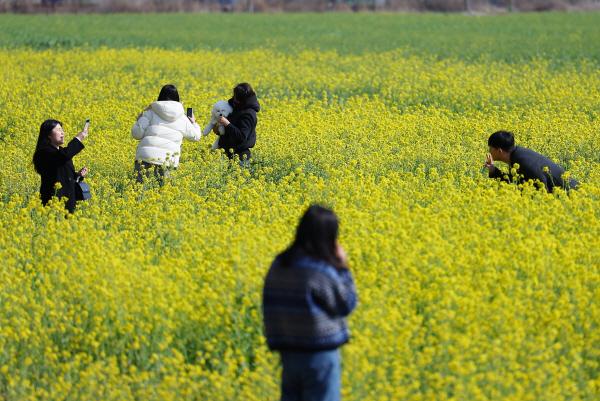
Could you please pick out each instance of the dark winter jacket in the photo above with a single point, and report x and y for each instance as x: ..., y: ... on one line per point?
x: 531, y: 166
x: 56, y: 165
x: 305, y: 305
x: 240, y: 134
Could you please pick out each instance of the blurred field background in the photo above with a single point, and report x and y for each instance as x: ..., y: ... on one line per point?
x: 512, y: 38
x: 277, y: 6
x: 469, y: 289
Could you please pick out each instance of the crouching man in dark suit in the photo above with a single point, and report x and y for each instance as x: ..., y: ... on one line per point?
x: 532, y: 165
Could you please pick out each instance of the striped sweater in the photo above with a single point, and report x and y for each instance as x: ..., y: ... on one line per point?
x: 305, y: 305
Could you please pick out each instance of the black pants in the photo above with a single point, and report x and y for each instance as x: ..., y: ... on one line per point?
x: 144, y: 169
x: 244, y: 156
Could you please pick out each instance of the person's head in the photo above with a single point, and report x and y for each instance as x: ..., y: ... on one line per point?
x: 168, y: 92
x: 315, y: 236
x: 501, y: 143
x: 242, y: 92
x: 51, y: 133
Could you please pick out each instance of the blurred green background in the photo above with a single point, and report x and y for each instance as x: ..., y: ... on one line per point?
x: 558, y: 37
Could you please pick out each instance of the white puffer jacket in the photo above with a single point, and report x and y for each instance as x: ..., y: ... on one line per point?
x: 161, y: 130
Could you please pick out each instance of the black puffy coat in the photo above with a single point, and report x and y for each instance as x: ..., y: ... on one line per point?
x: 240, y: 134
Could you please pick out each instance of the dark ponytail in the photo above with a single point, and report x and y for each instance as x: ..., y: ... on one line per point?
x: 242, y: 92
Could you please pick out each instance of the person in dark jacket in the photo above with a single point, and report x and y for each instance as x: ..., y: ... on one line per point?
x: 240, y: 127
x: 532, y: 165
x: 308, y: 293
x: 55, y: 165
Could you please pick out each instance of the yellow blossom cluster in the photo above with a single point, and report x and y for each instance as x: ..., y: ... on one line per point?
x: 470, y: 289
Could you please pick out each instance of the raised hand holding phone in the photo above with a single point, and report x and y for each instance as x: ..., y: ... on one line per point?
x: 83, y: 134
x: 190, y: 114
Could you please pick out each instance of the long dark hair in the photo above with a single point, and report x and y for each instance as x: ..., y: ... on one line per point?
x: 43, y: 140
x: 315, y: 236
x: 242, y: 92
x: 168, y: 92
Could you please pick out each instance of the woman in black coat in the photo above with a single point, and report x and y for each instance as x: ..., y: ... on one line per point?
x: 54, y: 163
x: 240, y: 127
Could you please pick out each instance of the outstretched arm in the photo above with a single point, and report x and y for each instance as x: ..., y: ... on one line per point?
x: 193, y: 132
x: 53, y: 156
x: 139, y: 128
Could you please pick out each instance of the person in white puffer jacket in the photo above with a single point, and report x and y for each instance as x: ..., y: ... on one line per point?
x: 160, y: 128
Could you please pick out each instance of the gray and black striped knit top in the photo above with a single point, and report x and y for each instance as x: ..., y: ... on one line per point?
x: 305, y: 305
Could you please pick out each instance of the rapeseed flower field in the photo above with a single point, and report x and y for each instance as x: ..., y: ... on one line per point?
x: 470, y: 289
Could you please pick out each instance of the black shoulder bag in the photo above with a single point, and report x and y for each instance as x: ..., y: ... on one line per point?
x: 82, y: 190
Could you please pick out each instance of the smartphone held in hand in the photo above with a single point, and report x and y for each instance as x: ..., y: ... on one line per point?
x: 87, y: 124
x: 190, y: 112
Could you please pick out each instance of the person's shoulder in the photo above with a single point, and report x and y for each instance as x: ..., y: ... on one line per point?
x: 168, y: 110
x: 48, y: 149
x: 528, y: 153
x: 276, y: 263
x: 531, y: 157
x: 254, y: 103
x: 316, y: 265
x: 185, y: 119
x: 248, y: 111
x: 524, y: 156
x: 277, y: 267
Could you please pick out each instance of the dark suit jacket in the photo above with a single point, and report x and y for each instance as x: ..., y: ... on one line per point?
x: 56, y: 165
x: 531, y: 166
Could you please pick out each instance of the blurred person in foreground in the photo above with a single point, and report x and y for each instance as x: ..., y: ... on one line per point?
x: 55, y: 165
x: 532, y: 165
x: 240, y: 126
x: 307, y: 295
x: 161, y: 128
